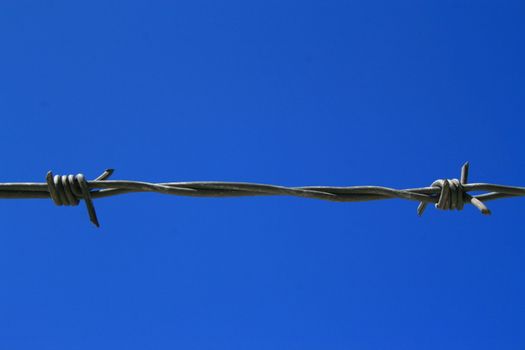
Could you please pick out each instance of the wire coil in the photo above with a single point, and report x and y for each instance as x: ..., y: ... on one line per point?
x: 70, y: 189
x: 451, y: 196
x: 67, y: 189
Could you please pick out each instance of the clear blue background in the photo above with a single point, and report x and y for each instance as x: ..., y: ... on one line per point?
x: 282, y: 92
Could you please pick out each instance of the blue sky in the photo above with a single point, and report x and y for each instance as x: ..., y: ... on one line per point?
x: 282, y: 92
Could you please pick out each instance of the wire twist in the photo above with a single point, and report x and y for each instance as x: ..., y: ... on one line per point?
x: 70, y: 189
x: 453, y: 196
x: 446, y: 194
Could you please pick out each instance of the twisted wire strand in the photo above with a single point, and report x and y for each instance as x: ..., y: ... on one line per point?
x: 446, y: 194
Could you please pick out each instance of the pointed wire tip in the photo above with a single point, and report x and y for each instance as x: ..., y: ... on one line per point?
x: 106, y: 174
x: 421, y: 208
x: 464, y: 173
x: 465, y: 167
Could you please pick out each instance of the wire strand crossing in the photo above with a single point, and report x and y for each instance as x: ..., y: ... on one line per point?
x: 446, y: 194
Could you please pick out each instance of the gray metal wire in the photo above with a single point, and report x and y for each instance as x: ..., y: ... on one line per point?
x: 448, y: 194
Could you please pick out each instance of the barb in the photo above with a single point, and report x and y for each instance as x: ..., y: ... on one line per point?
x: 447, y: 194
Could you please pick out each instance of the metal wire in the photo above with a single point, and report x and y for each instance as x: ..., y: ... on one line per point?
x: 445, y: 194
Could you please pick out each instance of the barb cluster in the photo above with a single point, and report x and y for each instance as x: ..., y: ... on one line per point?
x: 448, y: 194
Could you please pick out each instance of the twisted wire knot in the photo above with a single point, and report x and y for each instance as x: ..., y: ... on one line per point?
x: 451, y: 196
x: 67, y: 189
x: 70, y: 189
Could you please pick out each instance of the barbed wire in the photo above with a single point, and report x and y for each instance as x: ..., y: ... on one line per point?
x: 447, y: 194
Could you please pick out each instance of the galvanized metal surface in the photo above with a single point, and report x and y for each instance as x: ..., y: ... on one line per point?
x: 71, y: 189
